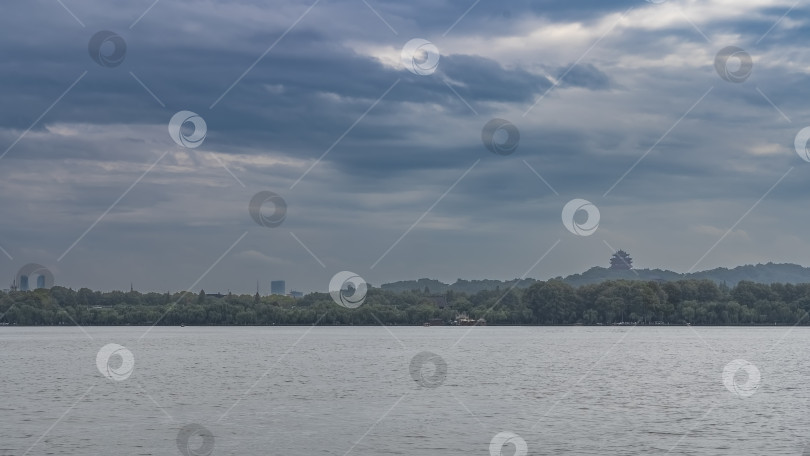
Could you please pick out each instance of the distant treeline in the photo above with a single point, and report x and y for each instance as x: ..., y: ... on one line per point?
x: 761, y: 273
x: 699, y: 302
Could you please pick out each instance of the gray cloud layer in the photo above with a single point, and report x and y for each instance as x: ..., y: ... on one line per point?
x: 591, y: 86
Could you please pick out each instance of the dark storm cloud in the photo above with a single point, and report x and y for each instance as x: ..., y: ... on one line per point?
x: 586, y: 75
x: 308, y: 95
x: 486, y: 80
x: 494, y: 18
x: 304, y: 71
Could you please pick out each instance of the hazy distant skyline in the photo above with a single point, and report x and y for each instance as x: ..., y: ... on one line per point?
x: 616, y: 103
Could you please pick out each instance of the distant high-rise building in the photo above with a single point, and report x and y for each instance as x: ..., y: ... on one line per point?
x: 33, y: 276
x: 27, y: 285
x: 278, y: 287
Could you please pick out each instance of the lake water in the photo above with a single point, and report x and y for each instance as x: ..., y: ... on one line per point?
x: 349, y: 391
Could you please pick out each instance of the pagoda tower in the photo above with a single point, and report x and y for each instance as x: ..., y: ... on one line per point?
x: 621, y: 260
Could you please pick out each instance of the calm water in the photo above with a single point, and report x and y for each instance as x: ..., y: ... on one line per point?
x: 339, y: 391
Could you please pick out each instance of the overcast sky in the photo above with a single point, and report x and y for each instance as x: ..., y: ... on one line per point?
x: 619, y: 103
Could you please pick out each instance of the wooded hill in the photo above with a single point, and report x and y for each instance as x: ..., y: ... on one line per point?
x: 760, y: 273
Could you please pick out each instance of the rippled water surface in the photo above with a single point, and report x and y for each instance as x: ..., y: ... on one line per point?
x: 348, y: 391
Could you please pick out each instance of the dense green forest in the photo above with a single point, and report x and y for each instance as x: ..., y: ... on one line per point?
x: 699, y: 302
